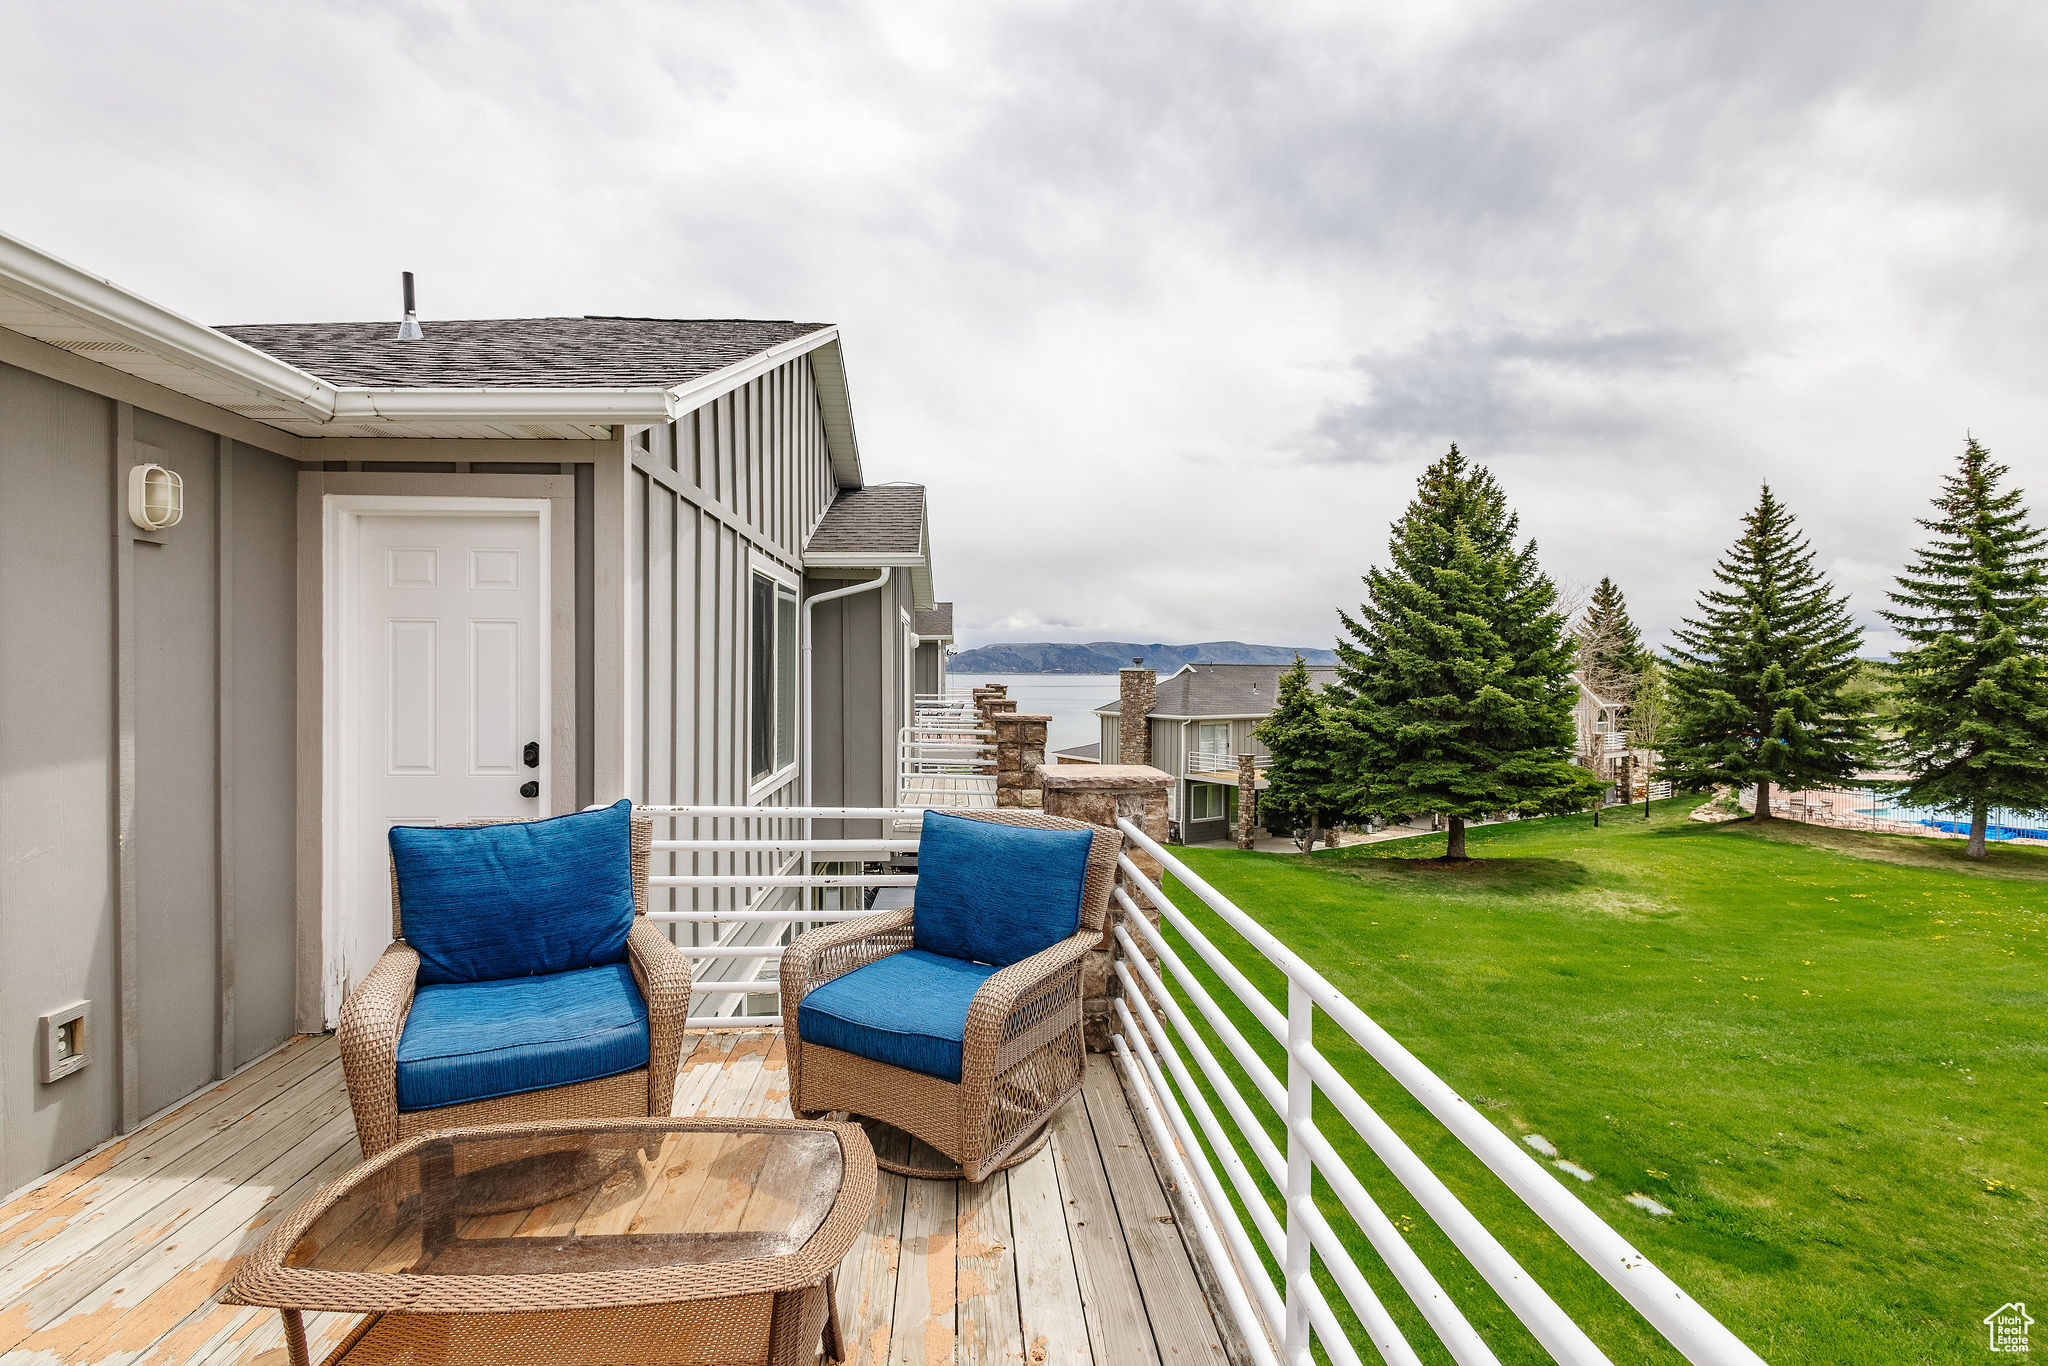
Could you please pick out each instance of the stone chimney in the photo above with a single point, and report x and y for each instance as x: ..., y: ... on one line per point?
x: 1137, y: 692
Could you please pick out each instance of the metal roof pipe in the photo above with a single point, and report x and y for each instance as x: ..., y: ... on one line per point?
x: 409, y: 329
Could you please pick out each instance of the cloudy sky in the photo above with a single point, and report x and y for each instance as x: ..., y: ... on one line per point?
x: 1167, y: 304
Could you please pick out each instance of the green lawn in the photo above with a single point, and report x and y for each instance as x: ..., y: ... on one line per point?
x: 1824, y: 1051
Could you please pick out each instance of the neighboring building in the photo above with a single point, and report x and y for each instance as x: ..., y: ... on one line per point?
x: 506, y: 570
x: 1198, y: 721
x: 932, y: 632
x: 1602, y: 736
x: 1079, y: 754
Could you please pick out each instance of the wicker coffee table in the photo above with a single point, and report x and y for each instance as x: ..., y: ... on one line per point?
x: 684, y: 1241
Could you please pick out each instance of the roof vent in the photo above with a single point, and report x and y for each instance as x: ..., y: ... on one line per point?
x: 409, y: 330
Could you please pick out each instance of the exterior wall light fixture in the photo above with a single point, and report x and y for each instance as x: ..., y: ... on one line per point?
x: 156, y: 497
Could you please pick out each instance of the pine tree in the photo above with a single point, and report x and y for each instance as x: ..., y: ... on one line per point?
x: 1455, y: 693
x: 1758, y: 680
x: 1971, y: 686
x: 1297, y: 734
x: 1610, y: 649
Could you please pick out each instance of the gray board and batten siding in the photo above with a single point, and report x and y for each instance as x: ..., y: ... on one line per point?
x: 146, y: 742
x: 161, y: 699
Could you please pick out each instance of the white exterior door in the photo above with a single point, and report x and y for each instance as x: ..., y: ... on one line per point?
x: 442, y: 691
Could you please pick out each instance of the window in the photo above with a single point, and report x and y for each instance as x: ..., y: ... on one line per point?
x: 1205, y: 802
x: 771, y: 710
x: 1214, y: 738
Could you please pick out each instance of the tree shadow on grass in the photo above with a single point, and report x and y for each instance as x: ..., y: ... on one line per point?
x: 1504, y: 876
x: 2003, y: 861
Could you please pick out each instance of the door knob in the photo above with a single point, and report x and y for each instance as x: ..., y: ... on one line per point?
x: 529, y: 789
x: 532, y: 754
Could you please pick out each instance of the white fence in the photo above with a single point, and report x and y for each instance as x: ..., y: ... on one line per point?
x: 945, y: 757
x: 1217, y: 761
x: 1154, y: 1050
x: 761, y: 886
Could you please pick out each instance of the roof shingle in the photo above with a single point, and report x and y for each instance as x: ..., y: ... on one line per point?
x: 881, y: 519
x: 936, y: 624
x: 520, y: 353
x: 1222, y: 690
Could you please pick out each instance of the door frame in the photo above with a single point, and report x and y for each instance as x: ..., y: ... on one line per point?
x: 338, y: 515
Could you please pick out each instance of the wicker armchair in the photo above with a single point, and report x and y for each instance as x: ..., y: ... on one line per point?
x: 374, y: 1016
x: 1022, y: 1051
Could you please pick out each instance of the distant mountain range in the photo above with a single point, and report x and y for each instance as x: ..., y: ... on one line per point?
x: 1107, y: 656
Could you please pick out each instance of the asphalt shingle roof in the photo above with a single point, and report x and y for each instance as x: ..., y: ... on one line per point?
x: 881, y: 519
x: 1222, y: 690
x: 520, y: 353
x: 938, y: 622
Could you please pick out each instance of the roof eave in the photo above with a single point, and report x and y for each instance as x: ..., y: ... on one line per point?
x: 102, y: 306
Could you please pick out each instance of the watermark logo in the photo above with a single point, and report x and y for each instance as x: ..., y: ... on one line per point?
x: 2008, y: 1327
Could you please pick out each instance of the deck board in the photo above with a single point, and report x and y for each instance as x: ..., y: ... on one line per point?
x: 1069, y: 1259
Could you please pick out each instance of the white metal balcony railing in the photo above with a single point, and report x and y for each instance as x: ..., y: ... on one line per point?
x: 1218, y: 761
x: 1280, y: 1309
x: 945, y: 757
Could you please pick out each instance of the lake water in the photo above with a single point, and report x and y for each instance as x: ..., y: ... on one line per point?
x: 1069, y: 699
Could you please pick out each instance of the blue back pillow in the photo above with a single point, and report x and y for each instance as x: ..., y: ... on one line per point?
x: 487, y: 902
x: 994, y: 893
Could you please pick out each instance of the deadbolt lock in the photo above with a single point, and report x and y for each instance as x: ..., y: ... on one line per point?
x: 532, y: 754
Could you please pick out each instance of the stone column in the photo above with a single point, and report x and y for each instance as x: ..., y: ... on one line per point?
x: 1020, y: 750
x: 1099, y: 794
x: 1137, y: 691
x: 984, y: 693
x: 1247, y: 798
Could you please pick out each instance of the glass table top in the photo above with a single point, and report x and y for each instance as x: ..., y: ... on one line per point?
x: 567, y: 1201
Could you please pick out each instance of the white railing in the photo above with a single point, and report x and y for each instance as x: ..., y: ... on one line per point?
x: 1216, y: 761
x: 746, y: 880
x: 753, y: 878
x: 1279, y: 1316
x: 946, y: 763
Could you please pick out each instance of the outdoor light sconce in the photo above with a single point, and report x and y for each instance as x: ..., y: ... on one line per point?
x: 156, y: 497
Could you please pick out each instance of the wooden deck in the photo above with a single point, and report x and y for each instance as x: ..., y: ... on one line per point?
x: 1072, y: 1257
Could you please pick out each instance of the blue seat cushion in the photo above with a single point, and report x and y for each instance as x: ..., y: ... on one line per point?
x: 475, y: 1040
x: 996, y: 893
x: 908, y: 1010
x: 483, y: 903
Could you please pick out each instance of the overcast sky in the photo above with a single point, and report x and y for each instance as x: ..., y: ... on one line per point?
x: 1169, y: 304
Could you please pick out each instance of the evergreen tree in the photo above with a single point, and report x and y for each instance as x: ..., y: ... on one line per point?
x: 1297, y: 734
x: 1971, y: 686
x: 1610, y: 649
x: 1758, y: 680
x: 1455, y: 693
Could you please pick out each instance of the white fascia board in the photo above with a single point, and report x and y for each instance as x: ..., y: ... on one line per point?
x: 107, y: 309
x: 103, y: 306
x: 412, y: 406
x: 861, y: 559
x: 684, y: 398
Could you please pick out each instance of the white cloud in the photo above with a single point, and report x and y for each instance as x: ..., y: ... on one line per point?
x: 1167, y: 303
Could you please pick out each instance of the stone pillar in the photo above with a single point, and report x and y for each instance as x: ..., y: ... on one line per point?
x: 1099, y: 794
x: 1137, y: 691
x: 1020, y: 750
x: 1247, y: 798
x: 984, y: 693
